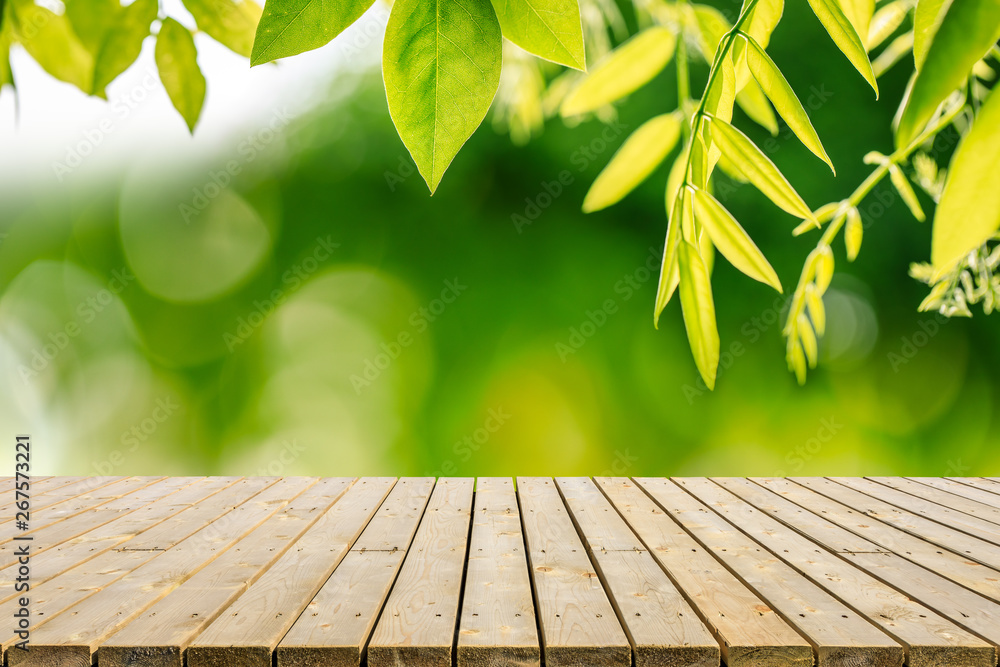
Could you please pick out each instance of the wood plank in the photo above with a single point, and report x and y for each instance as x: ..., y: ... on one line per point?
x: 497, y: 626
x: 579, y: 626
x: 929, y: 639
x: 417, y: 625
x: 967, y: 609
x: 958, y: 496
x: 967, y: 546
x: 249, y: 631
x: 748, y: 630
x: 81, y: 502
x: 58, y: 532
x: 53, y: 597
x: 839, y: 636
x: 335, y: 627
x: 55, y: 493
x: 983, y: 484
x: 660, y: 624
x: 908, y: 496
x: 72, y: 637
x: 160, y: 635
x: 972, y: 575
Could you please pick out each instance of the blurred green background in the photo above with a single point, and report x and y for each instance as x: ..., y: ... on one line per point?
x: 318, y: 313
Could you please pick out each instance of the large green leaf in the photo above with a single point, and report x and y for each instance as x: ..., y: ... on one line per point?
x: 441, y: 63
x: 969, y: 212
x: 641, y: 153
x: 845, y: 36
x: 926, y: 18
x: 290, y: 27
x: 967, y: 31
x: 732, y: 240
x: 91, y: 20
x: 232, y: 23
x: 625, y: 70
x: 755, y: 105
x: 758, y: 169
x: 698, y: 308
x: 551, y: 29
x: 49, y: 39
x: 859, y: 13
x: 120, y: 46
x: 177, y: 62
x: 774, y: 85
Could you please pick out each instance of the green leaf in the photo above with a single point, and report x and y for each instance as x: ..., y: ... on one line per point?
x: 678, y: 207
x: 859, y: 13
x: 91, y: 20
x: 232, y: 23
x: 121, y: 45
x: 6, y: 37
x: 698, y: 308
x: 764, y: 19
x: 758, y: 169
x: 817, y: 312
x: 291, y: 27
x: 49, y: 39
x: 755, y: 105
x: 969, y: 211
x: 712, y: 26
x: 967, y: 31
x: 732, y: 240
x: 845, y: 36
x: 441, y: 64
x: 641, y: 153
x: 885, y: 22
x: 774, y: 85
x: 853, y: 234
x: 906, y: 192
x: 626, y: 69
x: 177, y: 62
x: 550, y: 29
x: 926, y: 19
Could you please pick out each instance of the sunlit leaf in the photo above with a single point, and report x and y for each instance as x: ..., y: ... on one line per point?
x: 885, y: 22
x: 177, y: 62
x: 120, y: 46
x: 441, y: 64
x: 893, y: 53
x: 808, y: 339
x: 823, y: 265
x: 49, y: 39
x: 774, y: 85
x: 6, y: 75
x: 290, y: 27
x: 712, y: 26
x: 967, y: 31
x: 797, y: 360
x: 550, y: 29
x: 232, y: 23
x: 641, y: 153
x: 859, y: 13
x: 969, y: 211
x: 906, y: 192
x: 853, y: 233
x: 755, y: 105
x: 732, y: 240
x: 91, y: 20
x: 698, y: 308
x: 764, y: 19
x: 758, y: 169
x: 926, y: 18
x: 817, y: 313
x: 845, y: 36
x: 626, y: 69
x: 719, y: 100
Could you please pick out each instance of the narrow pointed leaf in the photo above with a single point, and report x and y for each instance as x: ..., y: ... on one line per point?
x: 177, y: 62
x: 441, y: 64
x: 853, y: 234
x: 966, y: 33
x: 290, y: 27
x: 232, y: 23
x: 698, y: 308
x: 774, y: 85
x: 969, y: 211
x: 120, y: 46
x: 626, y: 69
x: 808, y: 339
x: 669, y: 275
x: 885, y: 22
x: 926, y: 18
x: 758, y: 169
x: 550, y: 29
x: 845, y: 36
x: 755, y: 105
x: 761, y: 22
x: 859, y: 13
x: 712, y: 26
x: 732, y: 240
x: 641, y: 153
x: 49, y: 39
x: 906, y: 192
x: 719, y: 103
x: 817, y: 312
